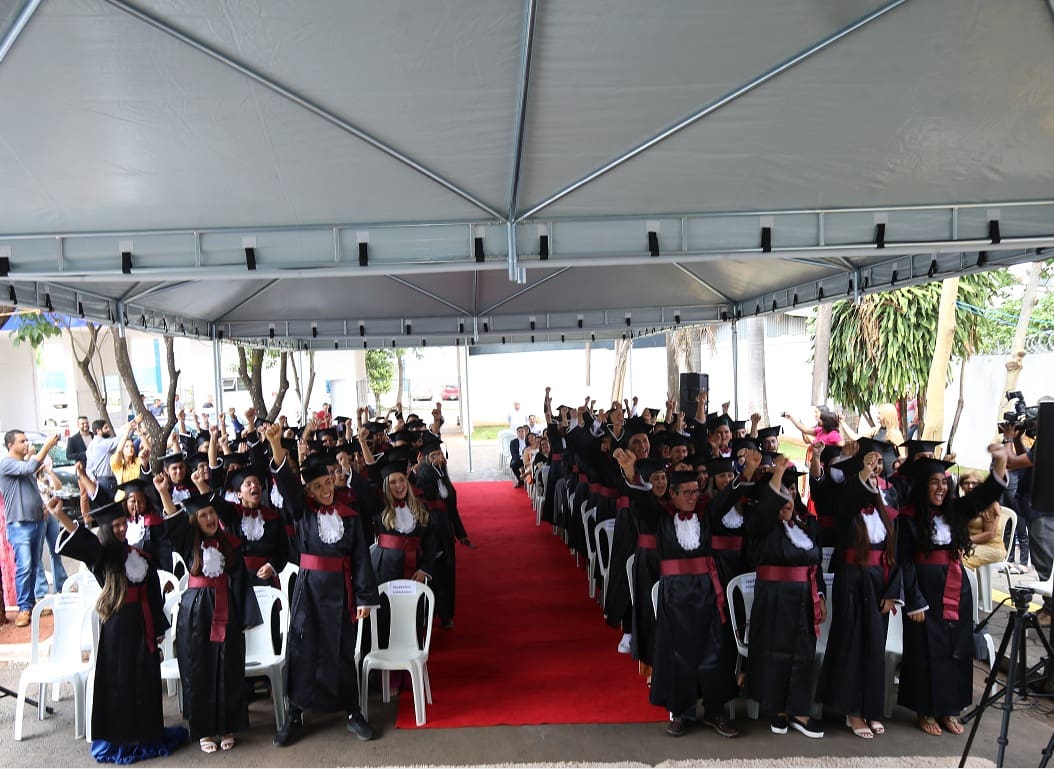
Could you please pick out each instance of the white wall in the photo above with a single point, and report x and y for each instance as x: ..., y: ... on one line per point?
x: 18, y: 387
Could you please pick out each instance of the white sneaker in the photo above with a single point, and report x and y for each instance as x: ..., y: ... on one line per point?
x: 624, y: 645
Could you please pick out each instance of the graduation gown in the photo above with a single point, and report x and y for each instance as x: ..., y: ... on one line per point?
x: 936, y: 674
x: 785, y: 614
x: 320, y: 654
x: 155, y: 542
x: 688, y: 626
x: 440, y: 497
x: 212, y: 672
x: 127, y: 698
x: 852, y: 680
x: 271, y: 547
x: 645, y: 510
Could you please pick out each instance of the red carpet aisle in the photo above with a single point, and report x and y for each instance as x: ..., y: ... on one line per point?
x: 528, y: 646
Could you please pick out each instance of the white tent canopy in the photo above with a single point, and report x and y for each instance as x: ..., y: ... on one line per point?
x: 500, y: 166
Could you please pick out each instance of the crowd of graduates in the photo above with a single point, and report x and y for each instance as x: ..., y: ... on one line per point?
x: 700, y: 500
x: 351, y: 506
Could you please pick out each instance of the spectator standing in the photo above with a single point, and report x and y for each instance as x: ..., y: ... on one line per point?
x: 77, y: 445
x: 24, y: 512
x: 97, y: 461
x: 516, y: 417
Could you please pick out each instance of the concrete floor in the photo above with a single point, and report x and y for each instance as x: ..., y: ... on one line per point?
x: 51, y: 744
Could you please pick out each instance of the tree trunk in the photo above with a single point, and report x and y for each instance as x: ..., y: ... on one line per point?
x: 250, y: 372
x: 1014, y: 363
x: 757, y: 387
x: 673, y: 367
x: 622, y: 348
x: 958, y: 406
x: 310, y: 381
x: 85, y: 364
x: 283, y: 387
x: 933, y: 417
x: 821, y: 353
x: 148, y: 422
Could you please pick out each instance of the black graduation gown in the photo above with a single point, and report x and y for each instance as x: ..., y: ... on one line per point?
x: 127, y: 700
x: 212, y: 673
x: 444, y: 515
x: 320, y: 673
x: 646, y: 511
x: 688, y: 631
x: 852, y: 680
x: 272, y: 547
x: 936, y: 674
x: 783, y: 616
x: 155, y: 541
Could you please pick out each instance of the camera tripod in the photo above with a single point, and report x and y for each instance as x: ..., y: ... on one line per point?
x: 1018, y: 676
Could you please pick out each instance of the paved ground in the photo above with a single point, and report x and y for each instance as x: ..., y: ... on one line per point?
x: 51, y: 743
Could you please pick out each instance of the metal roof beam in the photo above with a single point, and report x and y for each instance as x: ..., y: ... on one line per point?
x: 523, y: 291
x: 303, y: 102
x: 18, y: 26
x: 712, y: 107
x: 521, y: 102
x: 703, y: 283
x: 429, y: 294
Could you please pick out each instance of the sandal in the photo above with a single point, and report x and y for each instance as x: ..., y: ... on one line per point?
x: 877, y: 727
x: 227, y: 742
x: 207, y: 745
x: 863, y: 732
x: 929, y: 725
x: 951, y: 723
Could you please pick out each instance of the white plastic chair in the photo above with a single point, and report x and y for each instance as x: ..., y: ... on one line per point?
x: 894, y: 651
x: 179, y: 568
x: 73, y: 616
x: 260, y: 658
x: 602, y: 533
x: 285, y: 579
x: 629, y: 575
x: 85, y: 584
x: 821, y: 643
x: 169, y: 583
x: 169, y: 663
x: 655, y: 598
x: 825, y: 559
x: 985, y: 571
x: 504, y: 450
x: 403, y: 651
x: 589, y: 521
x: 744, y: 586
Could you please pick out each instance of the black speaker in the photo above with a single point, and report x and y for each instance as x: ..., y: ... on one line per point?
x: 691, y: 385
x: 1043, y: 461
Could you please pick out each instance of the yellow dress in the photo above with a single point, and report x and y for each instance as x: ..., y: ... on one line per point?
x: 993, y: 551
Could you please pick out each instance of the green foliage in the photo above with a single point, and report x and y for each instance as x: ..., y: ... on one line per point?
x: 380, y: 370
x: 998, y: 319
x: 35, y: 328
x: 881, y: 349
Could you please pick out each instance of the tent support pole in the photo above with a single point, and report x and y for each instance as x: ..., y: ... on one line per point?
x: 466, y: 423
x: 735, y: 366
x: 218, y: 377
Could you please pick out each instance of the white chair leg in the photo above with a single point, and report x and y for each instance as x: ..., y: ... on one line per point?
x: 42, y: 702
x: 428, y: 684
x: 278, y: 695
x: 78, y: 708
x: 363, y: 684
x: 386, y: 686
x: 753, y: 709
x: 419, y: 694
x: 991, y: 650
x: 20, y: 706
x: 984, y: 587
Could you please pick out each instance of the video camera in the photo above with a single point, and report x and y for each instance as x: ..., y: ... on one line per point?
x: 1023, y: 417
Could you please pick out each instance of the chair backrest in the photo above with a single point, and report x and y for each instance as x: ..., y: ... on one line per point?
x: 589, y: 521
x: 826, y: 554
x: 168, y: 580
x: 287, y: 578
x: 895, y: 632
x: 258, y: 643
x: 404, y: 597
x: 505, y: 437
x: 604, y: 532
x: 629, y: 575
x: 543, y: 479
x: 975, y: 603
x: 84, y: 583
x: 744, y: 586
x: 74, y: 616
x: 1011, y: 523
x: 655, y: 599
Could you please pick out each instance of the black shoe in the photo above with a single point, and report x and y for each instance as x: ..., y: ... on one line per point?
x: 358, y: 726
x: 810, y: 728
x: 290, y: 731
x: 677, y: 727
x: 720, y: 724
x: 778, y: 725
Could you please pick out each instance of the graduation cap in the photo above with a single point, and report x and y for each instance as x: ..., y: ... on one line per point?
x: 197, y: 502
x: 377, y: 427
x: 737, y: 444
x: 646, y: 468
x: 314, y: 467
x: 289, y: 444
x: 830, y: 453
x: 315, y: 446
x: 769, y: 432
x: 397, y: 462
x: 107, y: 514
x: 412, y: 420
x: 654, y: 413
x: 682, y: 476
x: 714, y: 421
x: 739, y: 424
x: 921, y: 469
x: 137, y: 485
x: 431, y: 443
x: 327, y: 432
x: 790, y: 477
x: 675, y: 439
x: 920, y: 447
x: 197, y: 458
x: 636, y: 426
x: 341, y: 420
x: 719, y: 466
x: 237, y: 478
x: 174, y: 458
x: 234, y: 458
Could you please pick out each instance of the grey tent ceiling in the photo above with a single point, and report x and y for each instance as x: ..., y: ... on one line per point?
x: 500, y: 165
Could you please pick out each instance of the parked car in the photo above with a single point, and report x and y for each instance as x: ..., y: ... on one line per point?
x: 422, y: 392
x: 451, y: 393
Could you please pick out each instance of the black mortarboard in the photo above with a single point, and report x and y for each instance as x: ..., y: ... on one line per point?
x: 719, y: 466
x: 341, y: 420
x: 406, y: 436
x: 289, y: 444
x: 431, y: 443
x: 377, y: 427
x: 636, y: 426
x: 714, y: 421
x: 829, y: 453
x: 196, y: 502
x: 314, y: 467
x: 397, y: 460
x: 769, y: 432
x: 237, y: 478
x: 790, y: 477
x: 865, y: 446
x: 174, y: 458
x: 682, y: 476
x: 737, y: 444
x: 197, y: 458
x: 739, y: 424
x: 921, y: 469
x: 235, y: 458
x: 109, y: 513
x: 315, y: 446
x: 654, y: 413
x: 327, y: 432
x: 918, y: 447
x: 675, y: 439
x: 141, y: 485
x: 645, y: 468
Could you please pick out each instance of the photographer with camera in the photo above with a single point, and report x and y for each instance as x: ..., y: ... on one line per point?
x: 1018, y: 426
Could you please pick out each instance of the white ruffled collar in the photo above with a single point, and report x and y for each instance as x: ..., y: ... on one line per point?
x: 212, y: 561
x: 942, y: 532
x: 798, y: 536
x: 688, y: 532
x: 330, y: 526
x: 404, y: 519
x: 135, y: 566
x: 876, y: 530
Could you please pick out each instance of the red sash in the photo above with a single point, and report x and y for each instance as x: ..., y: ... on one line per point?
x: 219, y: 613
x: 153, y: 519
x: 796, y: 574
x: 408, y: 545
x: 333, y: 564
x: 874, y: 558
x: 953, y: 582
x: 137, y: 594
x: 647, y: 541
x: 703, y: 565
x: 607, y: 492
x: 726, y: 543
